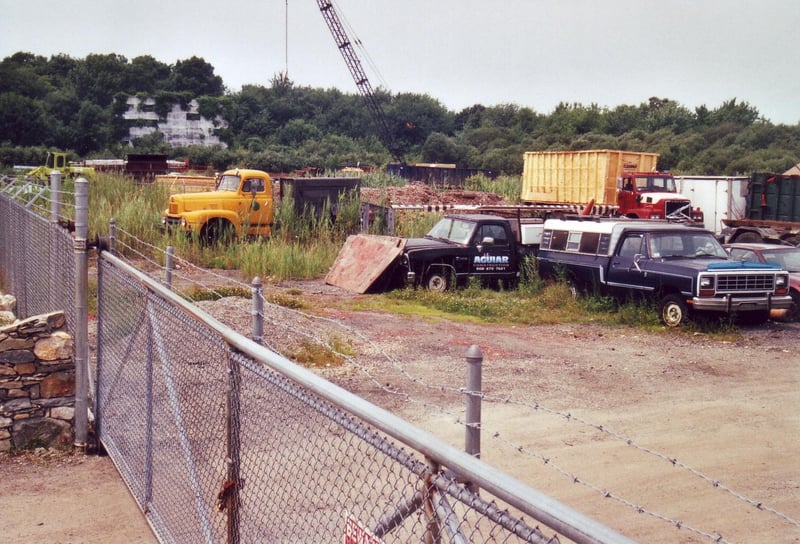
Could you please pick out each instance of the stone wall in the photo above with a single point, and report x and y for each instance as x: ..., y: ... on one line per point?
x: 37, y: 383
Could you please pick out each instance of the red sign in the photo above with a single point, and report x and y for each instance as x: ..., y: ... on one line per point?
x: 355, y: 533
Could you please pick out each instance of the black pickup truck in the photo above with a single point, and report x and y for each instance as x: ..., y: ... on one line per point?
x: 683, y: 269
x: 462, y: 246
x: 489, y: 248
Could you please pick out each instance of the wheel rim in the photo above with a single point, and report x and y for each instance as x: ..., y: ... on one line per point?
x: 437, y: 283
x: 672, y: 314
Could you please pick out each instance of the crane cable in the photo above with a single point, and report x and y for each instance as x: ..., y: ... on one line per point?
x: 358, y: 43
x: 286, y: 40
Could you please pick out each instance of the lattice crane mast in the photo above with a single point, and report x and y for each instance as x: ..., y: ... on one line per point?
x: 359, y: 76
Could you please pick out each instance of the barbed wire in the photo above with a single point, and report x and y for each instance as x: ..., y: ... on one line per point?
x: 534, y: 406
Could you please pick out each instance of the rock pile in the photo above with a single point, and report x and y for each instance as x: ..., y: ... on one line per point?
x: 37, y: 380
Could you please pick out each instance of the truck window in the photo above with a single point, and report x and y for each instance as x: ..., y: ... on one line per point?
x: 559, y: 240
x: 589, y: 242
x: 495, y: 232
x: 574, y: 241
x: 743, y: 255
x: 253, y: 183
x: 455, y: 230
x: 630, y: 246
x: 656, y: 183
x: 228, y: 183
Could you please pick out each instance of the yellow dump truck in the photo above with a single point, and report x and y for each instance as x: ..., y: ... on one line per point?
x: 241, y: 204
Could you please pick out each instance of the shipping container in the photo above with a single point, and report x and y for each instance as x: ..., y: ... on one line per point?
x: 578, y: 177
x: 774, y: 198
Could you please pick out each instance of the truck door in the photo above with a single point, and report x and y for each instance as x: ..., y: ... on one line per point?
x: 495, y: 258
x: 256, y: 210
x: 627, y: 268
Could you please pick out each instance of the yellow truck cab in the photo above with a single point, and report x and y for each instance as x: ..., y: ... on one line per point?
x: 241, y: 205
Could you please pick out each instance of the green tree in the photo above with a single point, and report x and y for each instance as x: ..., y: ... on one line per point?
x: 100, y: 77
x: 147, y: 75
x: 196, y: 77
x: 440, y: 148
x: 22, y: 120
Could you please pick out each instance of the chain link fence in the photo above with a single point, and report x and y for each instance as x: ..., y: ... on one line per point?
x: 36, y: 255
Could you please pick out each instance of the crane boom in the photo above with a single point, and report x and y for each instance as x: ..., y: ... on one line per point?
x: 359, y: 76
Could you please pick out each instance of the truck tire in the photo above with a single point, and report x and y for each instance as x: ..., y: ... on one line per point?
x: 793, y: 313
x: 437, y: 281
x: 216, y: 231
x: 748, y: 238
x: 673, y: 311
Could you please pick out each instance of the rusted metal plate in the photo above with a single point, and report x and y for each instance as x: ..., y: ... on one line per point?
x: 362, y: 260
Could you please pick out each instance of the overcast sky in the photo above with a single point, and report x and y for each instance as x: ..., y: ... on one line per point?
x: 532, y: 53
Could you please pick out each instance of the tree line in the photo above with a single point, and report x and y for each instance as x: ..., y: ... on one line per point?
x: 76, y: 105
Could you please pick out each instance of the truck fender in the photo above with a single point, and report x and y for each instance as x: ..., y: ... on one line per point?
x: 198, y: 219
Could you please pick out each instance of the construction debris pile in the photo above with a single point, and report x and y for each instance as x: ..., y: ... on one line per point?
x: 420, y: 193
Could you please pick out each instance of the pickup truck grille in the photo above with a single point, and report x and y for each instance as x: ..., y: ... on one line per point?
x: 734, y: 283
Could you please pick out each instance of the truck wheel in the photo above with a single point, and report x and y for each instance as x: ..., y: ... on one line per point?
x: 216, y: 232
x: 673, y: 311
x: 437, y: 281
x: 793, y: 313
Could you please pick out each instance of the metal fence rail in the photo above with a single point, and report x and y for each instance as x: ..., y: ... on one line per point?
x: 222, y: 440
x: 36, y: 256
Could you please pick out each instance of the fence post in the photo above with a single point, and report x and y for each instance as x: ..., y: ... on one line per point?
x: 112, y: 236
x: 229, y: 495
x: 258, y: 310
x: 473, y: 408
x: 55, y: 196
x: 82, y: 313
x: 169, y: 265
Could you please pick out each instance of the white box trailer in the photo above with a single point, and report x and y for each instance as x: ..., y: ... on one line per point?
x: 720, y: 197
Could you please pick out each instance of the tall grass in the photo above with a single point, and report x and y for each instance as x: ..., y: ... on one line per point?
x: 135, y: 207
x: 509, y: 187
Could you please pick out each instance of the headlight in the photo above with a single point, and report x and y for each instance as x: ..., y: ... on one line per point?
x: 780, y: 282
x: 706, y: 282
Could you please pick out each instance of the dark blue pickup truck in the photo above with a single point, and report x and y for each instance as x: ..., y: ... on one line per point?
x: 684, y: 269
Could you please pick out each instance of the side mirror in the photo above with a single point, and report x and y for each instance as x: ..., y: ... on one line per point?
x: 636, y: 258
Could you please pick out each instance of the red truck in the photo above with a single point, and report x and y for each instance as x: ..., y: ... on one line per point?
x: 615, y: 183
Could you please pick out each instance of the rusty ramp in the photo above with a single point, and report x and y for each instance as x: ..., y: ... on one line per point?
x: 362, y: 260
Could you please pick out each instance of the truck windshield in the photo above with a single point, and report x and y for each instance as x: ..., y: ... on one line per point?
x: 788, y: 259
x: 674, y: 244
x: 453, y: 230
x: 228, y: 183
x: 662, y: 184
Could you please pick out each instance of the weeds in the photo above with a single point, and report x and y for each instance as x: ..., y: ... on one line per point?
x: 317, y: 355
